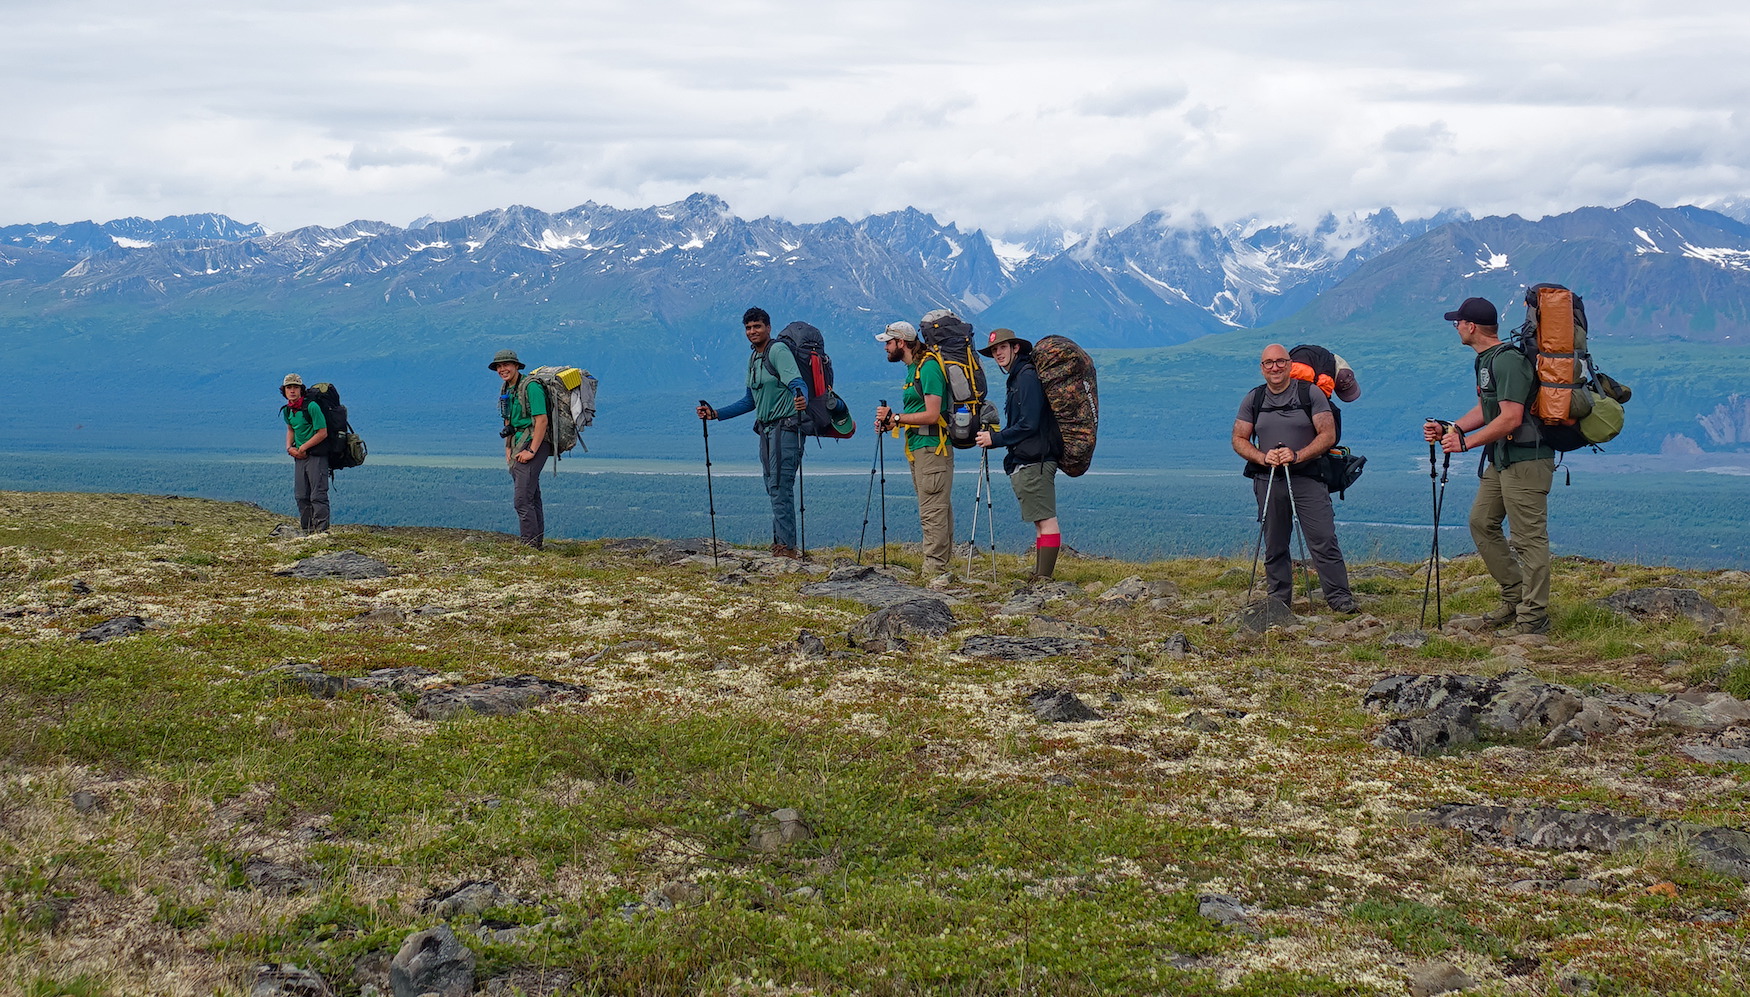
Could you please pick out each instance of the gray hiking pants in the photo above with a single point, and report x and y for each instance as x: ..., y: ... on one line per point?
x: 780, y: 456
x: 1318, y: 526
x: 525, y: 479
x: 310, y: 491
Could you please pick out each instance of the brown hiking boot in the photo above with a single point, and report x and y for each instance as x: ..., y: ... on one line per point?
x: 1502, y: 616
x: 1520, y: 629
x: 785, y: 550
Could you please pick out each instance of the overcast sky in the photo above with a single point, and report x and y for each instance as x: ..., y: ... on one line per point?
x: 998, y: 114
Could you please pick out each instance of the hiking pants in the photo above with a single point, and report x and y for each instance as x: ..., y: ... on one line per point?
x: 310, y: 491
x: 780, y: 456
x: 525, y: 481
x: 1318, y: 526
x: 932, y: 474
x: 1519, y: 493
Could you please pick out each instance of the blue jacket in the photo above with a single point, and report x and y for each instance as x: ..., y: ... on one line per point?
x: 1029, y: 430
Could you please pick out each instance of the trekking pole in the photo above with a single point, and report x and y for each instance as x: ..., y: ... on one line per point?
x: 710, y: 496
x: 972, y: 541
x: 869, y: 496
x: 1263, y: 511
x: 802, y: 501
x: 1294, y: 520
x: 881, y: 459
x: 990, y: 521
x: 1434, y: 545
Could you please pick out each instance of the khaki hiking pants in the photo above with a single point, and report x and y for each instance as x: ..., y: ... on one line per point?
x: 932, y: 474
x: 1519, y: 561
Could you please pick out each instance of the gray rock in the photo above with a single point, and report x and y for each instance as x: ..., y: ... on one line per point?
x: 809, y: 646
x: 381, y: 616
x: 779, y: 829
x: 1054, y: 705
x: 1178, y: 646
x: 1411, y: 639
x: 1428, y: 735
x: 78, y: 587
x: 1134, y: 589
x: 120, y: 626
x: 675, y: 893
x: 1712, y: 754
x: 286, y: 531
x: 468, y: 899
x: 280, y: 879
x: 1021, y: 648
x: 1719, y: 849
x: 1430, y: 978
x: 431, y: 610
x: 1223, y: 910
x: 869, y: 586
x: 432, y: 961
x: 316, y: 682
x: 1201, y: 722
x: 500, y: 697
x: 286, y: 980
x: 342, y: 564
x: 927, y: 617
x: 87, y: 802
x: 1664, y: 603
x: 404, y: 679
x: 623, y: 647
x: 1261, y: 616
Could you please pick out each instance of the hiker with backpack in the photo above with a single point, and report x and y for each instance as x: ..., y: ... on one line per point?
x: 776, y: 395
x: 1293, y: 427
x: 1034, y: 447
x: 1516, y: 476
x: 522, y: 405
x: 926, y: 445
x: 306, y: 432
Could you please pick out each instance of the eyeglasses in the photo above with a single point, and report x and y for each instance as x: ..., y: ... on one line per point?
x: 1274, y: 363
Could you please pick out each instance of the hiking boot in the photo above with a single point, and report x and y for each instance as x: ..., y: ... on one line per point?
x: 1345, y: 607
x: 1520, y: 629
x: 941, y: 581
x: 785, y: 550
x: 1502, y: 616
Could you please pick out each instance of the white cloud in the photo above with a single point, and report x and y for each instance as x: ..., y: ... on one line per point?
x: 990, y: 114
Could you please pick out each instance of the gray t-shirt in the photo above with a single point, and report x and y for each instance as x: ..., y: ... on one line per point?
x: 1282, y: 422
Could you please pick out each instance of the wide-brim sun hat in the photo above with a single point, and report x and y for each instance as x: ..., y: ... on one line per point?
x: 506, y: 356
x: 999, y: 336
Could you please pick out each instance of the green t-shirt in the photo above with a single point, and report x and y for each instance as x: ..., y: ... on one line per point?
x: 1504, y: 373
x: 304, y: 423
x: 923, y: 378
x: 510, y: 405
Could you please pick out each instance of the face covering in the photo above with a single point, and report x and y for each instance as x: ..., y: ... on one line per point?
x: 297, y: 404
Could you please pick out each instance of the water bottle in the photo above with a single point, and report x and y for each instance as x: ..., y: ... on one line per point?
x: 963, y: 428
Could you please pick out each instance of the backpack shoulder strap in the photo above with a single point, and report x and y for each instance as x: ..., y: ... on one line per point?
x: 1255, y: 401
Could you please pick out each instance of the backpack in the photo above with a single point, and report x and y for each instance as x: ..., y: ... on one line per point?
x: 570, y: 403
x: 1066, y: 373
x: 1574, y: 405
x: 808, y: 347
x: 343, y: 447
x: 1340, y: 467
x: 967, y: 408
x: 1318, y: 366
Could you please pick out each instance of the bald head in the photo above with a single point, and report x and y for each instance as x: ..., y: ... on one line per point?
x: 1275, y: 363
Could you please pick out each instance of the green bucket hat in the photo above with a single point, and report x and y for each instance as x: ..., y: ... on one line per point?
x: 504, y: 356
x: 841, y: 416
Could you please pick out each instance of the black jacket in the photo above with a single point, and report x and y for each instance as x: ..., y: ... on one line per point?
x: 1029, y: 430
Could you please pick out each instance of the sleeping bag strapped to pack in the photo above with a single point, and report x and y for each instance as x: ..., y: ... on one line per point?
x: 967, y: 410
x: 1066, y: 374
x: 570, y: 404
x: 1573, y: 405
x: 1318, y: 366
x: 826, y: 415
x: 343, y: 447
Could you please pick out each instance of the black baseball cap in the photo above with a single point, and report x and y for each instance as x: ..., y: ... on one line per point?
x: 1477, y: 310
